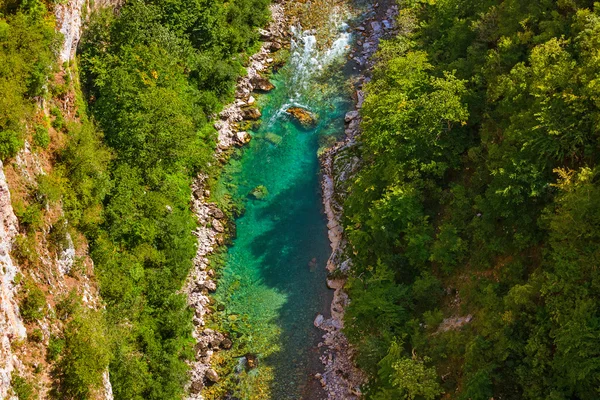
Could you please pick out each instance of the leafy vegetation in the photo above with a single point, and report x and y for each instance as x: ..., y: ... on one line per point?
x: 154, y: 75
x: 478, y: 196
x: 28, y: 43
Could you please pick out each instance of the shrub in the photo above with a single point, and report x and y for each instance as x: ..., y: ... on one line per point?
x: 84, y: 357
x: 33, y: 304
x: 23, y: 389
x: 59, y: 121
x: 55, y: 348
x: 10, y: 143
x: 41, y: 137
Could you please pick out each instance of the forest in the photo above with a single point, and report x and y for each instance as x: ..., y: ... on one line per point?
x: 474, y: 221
x: 152, y: 76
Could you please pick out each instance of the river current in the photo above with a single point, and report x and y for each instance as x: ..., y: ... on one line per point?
x: 274, y: 279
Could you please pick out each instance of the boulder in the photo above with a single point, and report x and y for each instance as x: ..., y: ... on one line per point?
x: 226, y: 343
x: 259, y: 192
x: 218, y: 226
x: 212, y: 375
x: 251, y: 360
x: 216, y: 341
x: 262, y: 85
x: 351, y: 116
x: 275, y: 46
x: 196, y: 387
x: 251, y: 113
x: 264, y: 35
x: 211, y: 286
x: 243, y: 137
x: 303, y: 117
x: 319, y: 320
x: 215, y: 212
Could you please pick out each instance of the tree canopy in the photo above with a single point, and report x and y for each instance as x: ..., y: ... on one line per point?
x: 477, y: 196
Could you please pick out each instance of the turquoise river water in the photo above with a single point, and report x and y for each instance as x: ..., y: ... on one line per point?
x: 274, y: 280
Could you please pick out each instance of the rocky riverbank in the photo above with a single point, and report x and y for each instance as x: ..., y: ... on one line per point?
x: 212, y: 223
x: 341, y: 379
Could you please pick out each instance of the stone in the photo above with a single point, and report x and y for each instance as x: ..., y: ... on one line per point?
x: 319, y: 320
x: 275, y: 46
x: 259, y: 192
x: 226, y: 343
x: 218, y: 226
x: 262, y: 85
x: 243, y: 137
x: 251, y: 100
x: 212, y: 375
x: 196, y: 387
x: 351, y: 115
x: 303, y: 117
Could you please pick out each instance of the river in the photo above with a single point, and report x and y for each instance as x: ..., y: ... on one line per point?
x: 274, y: 280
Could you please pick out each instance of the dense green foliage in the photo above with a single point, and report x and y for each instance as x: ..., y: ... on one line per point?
x: 82, y: 355
x: 479, y: 195
x: 27, y: 50
x: 154, y: 74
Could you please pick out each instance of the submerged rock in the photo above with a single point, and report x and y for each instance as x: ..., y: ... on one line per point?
x: 273, y: 138
x: 259, y: 192
x: 303, y: 117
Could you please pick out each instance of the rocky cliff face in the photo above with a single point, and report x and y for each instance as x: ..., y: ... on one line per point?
x: 11, y: 325
x: 68, y: 18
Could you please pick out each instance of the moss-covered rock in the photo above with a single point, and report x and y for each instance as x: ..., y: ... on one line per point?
x: 303, y: 117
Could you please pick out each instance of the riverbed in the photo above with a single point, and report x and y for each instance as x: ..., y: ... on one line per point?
x: 274, y: 280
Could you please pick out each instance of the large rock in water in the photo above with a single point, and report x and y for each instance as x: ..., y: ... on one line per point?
x: 251, y: 113
x: 303, y: 117
x: 262, y: 85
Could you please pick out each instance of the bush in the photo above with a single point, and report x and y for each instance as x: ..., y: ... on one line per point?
x: 55, y: 348
x: 36, y: 336
x: 23, y: 389
x: 24, y: 249
x: 10, y: 143
x: 33, y: 303
x: 84, y: 357
x: 41, y: 137
x: 59, y: 121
